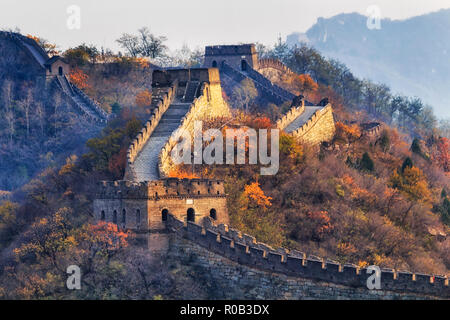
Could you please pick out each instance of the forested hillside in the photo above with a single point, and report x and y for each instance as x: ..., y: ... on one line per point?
x: 411, y: 56
x: 380, y: 200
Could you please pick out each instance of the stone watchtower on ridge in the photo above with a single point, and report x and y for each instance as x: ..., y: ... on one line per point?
x: 237, y: 56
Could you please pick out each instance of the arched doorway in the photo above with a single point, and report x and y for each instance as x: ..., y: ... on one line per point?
x: 138, y: 217
x: 244, y: 65
x: 103, y: 216
x: 164, y: 214
x: 213, y: 214
x: 214, y: 64
x: 191, y: 215
x: 115, y: 216
x: 124, y: 217
x: 60, y: 71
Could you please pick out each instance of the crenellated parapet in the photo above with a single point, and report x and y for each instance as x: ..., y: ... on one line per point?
x: 245, y: 250
x: 372, y: 129
x: 290, y: 116
x: 161, y: 189
x: 270, y: 63
x: 161, y: 100
x: 319, y: 127
x: 144, y: 206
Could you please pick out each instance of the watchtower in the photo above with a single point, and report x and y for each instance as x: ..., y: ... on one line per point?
x: 237, y: 56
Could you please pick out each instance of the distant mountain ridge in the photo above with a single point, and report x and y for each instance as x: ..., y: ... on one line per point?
x: 412, y: 56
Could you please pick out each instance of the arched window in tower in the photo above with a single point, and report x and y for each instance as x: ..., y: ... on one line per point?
x: 138, y: 217
x: 102, y: 216
x: 214, y: 64
x: 60, y: 71
x: 164, y: 214
x: 213, y: 214
x: 115, y: 216
x: 244, y: 65
x: 191, y: 215
x: 124, y: 216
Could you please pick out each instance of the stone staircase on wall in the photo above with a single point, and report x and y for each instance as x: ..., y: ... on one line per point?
x: 266, y: 92
x: 30, y: 46
x: 145, y: 165
x: 258, y: 77
x: 191, y: 90
x: 80, y: 100
x: 302, y: 119
x: 269, y: 91
x: 73, y: 95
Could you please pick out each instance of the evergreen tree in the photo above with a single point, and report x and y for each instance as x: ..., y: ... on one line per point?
x: 366, y: 163
x: 415, y: 146
x: 385, y: 141
x: 407, y: 164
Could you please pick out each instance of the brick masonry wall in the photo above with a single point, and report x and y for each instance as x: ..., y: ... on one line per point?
x: 226, y: 245
x: 208, y: 106
x: 290, y: 116
x: 320, y: 127
x: 230, y: 280
x: 143, y: 203
x: 160, y: 104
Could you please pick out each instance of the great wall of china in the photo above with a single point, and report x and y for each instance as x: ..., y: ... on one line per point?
x: 51, y: 74
x: 165, y: 212
x: 186, y: 221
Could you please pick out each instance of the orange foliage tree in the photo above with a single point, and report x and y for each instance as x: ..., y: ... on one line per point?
x: 180, y: 173
x: 108, y: 236
x: 260, y: 123
x: 347, y: 133
x: 144, y: 98
x: 255, y: 196
x: 412, y: 183
x: 322, y: 223
x: 79, y: 78
x: 300, y: 84
x: 442, y: 154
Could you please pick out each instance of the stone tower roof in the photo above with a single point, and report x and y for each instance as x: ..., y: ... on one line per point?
x: 223, y: 50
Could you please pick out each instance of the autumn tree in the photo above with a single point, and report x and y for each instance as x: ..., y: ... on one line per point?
x: 442, y: 154
x: 81, y: 55
x: 384, y: 141
x: 347, y: 133
x: 8, y: 222
x: 79, y: 78
x: 48, y: 47
x: 144, y: 98
x: 145, y: 44
x: 151, y: 46
x: 25, y: 105
x: 130, y: 43
x: 254, y: 196
x: 412, y: 183
x: 244, y: 94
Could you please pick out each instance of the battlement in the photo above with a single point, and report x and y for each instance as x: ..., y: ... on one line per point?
x: 238, y: 56
x: 270, y: 63
x: 290, y: 116
x: 319, y: 127
x: 372, y: 129
x: 161, y: 189
x: 223, y: 50
x: 161, y: 100
x: 244, y: 250
x: 165, y: 78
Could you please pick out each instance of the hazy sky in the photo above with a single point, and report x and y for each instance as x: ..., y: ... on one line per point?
x: 194, y: 22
